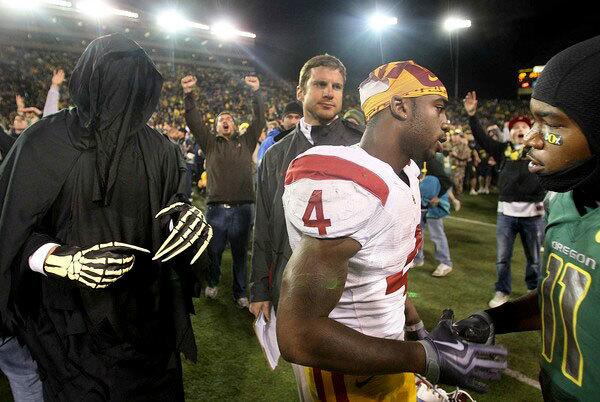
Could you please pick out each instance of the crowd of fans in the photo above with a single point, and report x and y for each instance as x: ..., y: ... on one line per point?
x: 27, y: 73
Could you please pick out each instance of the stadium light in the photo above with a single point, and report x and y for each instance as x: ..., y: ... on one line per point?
x: 454, y: 23
x: 173, y: 21
x: 378, y: 22
x: 225, y: 30
x: 59, y: 3
x: 20, y: 5
x: 94, y: 8
x: 170, y: 21
x: 99, y: 9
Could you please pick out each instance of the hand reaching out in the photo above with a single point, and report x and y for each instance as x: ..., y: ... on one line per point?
x: 470, y: 103
x: 252, y: 81
x: 58, y: 77
x: 188, y: 83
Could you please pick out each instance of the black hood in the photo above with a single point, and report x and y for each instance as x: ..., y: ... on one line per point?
x: 116, y: 88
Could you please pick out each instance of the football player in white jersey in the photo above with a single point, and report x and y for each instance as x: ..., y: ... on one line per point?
x: 353, y: 218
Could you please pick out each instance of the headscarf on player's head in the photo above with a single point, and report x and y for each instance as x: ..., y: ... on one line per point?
x: 116, y: 88
x: 571, y: 82
x: 404, y: 78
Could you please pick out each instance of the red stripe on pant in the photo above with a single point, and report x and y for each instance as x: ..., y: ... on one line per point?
x: 339, y: 387
x: 319, y: 384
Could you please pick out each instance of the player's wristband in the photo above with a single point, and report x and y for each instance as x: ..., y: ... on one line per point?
x: 414, y: 327
x: 432, y: 368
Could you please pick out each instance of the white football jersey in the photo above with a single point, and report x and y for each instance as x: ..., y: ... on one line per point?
x: 339, y: 191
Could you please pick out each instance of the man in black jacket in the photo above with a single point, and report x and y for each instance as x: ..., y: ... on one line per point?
x: 520, y: 205
x: 320, y: 90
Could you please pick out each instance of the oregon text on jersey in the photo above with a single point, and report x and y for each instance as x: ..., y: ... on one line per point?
x: 576, y: 255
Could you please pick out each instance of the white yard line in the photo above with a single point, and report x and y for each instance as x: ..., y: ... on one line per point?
x: 523, y: 378
x: 454, y: 218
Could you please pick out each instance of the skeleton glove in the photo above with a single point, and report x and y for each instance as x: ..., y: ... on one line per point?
x: 96, y: 267
x: 191, y: 228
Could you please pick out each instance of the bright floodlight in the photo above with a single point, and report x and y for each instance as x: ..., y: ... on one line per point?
x: 94, y: 8
x: 223, y: 30
x: 453, y: 23
x: 379, y: 22
x: 171, y: 21
x: 20, y: 5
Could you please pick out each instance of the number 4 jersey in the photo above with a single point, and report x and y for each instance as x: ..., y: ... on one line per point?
x: 336, y: 191
x: 570, y: 302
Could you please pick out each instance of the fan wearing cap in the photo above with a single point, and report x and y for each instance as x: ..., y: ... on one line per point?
x: 520, y: 202
x: 353, y: 217
x: 564, y: 153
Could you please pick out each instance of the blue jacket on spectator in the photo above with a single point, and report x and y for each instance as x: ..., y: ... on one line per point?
x: 266, y: 144
x: 430, y: 187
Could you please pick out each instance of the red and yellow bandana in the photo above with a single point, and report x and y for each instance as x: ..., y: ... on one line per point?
x: 404, y: 78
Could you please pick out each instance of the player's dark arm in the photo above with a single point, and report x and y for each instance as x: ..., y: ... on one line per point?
x: 522, y: 314
x: 410, y: 312
x: 313, y: 282
x: 519, y: 315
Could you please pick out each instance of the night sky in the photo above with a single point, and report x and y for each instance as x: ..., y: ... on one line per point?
x: 506, y: 35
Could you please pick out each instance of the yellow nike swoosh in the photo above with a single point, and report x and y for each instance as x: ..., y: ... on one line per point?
x: 432, y: 78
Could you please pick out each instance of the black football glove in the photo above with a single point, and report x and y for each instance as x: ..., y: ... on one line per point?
x: 190, y: 228
x: 452, y: 361
x: 477, y: 328
x: 96, y: 267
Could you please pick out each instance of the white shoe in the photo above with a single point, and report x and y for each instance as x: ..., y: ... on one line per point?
x: 486, y: 191
x: 419, y: 263
x: 499, y: 299
x: 456, y: 204
x: 442, y: 270
x: 211, y: 293
x: 473, y: 192
x: 242, y: 302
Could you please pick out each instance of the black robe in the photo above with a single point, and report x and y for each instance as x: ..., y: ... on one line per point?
x: 62, y: 183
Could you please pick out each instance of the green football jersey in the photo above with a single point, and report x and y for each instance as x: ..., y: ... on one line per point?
x: 570, y: 301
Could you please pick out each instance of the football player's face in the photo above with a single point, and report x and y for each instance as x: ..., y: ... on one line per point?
x: 429, y: 126
x: 322, y: 95
x: 556, y: 141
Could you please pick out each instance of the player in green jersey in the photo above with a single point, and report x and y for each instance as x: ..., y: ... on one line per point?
x: 564, y: 149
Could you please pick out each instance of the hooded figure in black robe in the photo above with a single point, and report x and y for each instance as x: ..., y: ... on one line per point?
x: 93, y: 174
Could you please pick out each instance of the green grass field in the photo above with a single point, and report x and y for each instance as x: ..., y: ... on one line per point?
x: 231, y: 366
